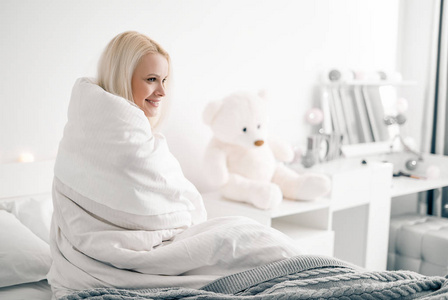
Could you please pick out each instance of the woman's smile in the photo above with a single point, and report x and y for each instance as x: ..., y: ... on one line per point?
x: 154, y: 103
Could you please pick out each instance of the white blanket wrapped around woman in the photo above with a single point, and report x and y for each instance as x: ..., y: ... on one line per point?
x: 126, y: 217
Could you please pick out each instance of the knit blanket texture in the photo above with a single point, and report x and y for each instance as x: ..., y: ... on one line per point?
x: 300, y: 277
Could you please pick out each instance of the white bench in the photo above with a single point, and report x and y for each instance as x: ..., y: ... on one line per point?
x: 418, y: 243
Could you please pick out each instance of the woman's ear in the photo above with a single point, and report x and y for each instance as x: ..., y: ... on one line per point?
x: 210, y: 111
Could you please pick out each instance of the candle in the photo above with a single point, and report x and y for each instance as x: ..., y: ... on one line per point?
x: 26, y: 157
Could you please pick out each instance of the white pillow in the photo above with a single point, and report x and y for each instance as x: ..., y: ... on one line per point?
x: 23, y: 256
x: 34, y: 212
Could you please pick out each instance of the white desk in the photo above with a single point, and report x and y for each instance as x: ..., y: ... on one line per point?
x: 352, y: 223
x: 405, y: 186
x: 360, y: 210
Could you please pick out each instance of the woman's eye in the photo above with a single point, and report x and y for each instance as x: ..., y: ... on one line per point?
x: 244, y: 129
x: 151, y: 79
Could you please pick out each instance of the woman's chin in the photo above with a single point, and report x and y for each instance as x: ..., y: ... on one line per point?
x: 151, y: 113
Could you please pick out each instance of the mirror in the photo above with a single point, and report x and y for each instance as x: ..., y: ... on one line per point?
x: 367, y: 114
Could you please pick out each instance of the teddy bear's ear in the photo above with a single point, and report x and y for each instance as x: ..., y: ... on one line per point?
x: 264, y: 95
x: 210, y: 111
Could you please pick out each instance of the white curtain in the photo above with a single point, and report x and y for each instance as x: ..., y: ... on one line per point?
x: 435, y: 121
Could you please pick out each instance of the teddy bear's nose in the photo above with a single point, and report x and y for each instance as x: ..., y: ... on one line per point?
x: 259, y: 143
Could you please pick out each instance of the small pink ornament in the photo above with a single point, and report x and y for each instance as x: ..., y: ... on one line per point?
x: 314, y: 116
x: 359, y: 75
x: 432, y: 172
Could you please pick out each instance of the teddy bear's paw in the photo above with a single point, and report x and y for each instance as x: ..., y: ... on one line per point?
x: 312, y: 186
x: 266, y: 197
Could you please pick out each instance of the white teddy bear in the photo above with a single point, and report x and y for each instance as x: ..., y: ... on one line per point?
x: 246, y: 165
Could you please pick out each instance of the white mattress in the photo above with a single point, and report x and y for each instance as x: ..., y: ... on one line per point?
x: 36, y: 290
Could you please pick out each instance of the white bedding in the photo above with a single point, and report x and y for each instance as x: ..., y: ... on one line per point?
x: 24, y: 257
x: 96, y: 246
x: 24, y: 247
x: 126, y: 217
x: 40, y: 290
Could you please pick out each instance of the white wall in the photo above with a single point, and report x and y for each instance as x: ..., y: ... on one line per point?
x: 216, y: 46
x: 414, y: 55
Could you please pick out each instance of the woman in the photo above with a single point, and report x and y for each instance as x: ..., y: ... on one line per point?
x: 124, y: 214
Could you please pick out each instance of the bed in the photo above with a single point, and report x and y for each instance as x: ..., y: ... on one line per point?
x: 25, y: 213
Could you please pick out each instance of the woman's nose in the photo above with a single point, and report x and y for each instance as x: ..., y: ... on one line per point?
x: 160, y: 91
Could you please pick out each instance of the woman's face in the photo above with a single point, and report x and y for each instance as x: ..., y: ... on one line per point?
x: 148, y: 83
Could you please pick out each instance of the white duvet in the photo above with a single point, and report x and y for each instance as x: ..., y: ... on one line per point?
x: 124, y: 214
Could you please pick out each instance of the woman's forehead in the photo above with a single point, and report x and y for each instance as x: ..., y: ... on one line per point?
x: 153, y: 64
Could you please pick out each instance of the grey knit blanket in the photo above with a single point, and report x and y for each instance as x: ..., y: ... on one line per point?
x: 301, y: 277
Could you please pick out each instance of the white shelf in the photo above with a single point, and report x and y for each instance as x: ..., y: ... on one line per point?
x: 286, y: 208
x: 311, y: 240
x: 405, y: 186
x: 290, y: 207
x: 299, y: 232
x: 373, y: 83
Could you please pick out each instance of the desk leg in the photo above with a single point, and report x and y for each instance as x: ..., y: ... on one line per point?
x: 377, y: 236
x: 437, y: 202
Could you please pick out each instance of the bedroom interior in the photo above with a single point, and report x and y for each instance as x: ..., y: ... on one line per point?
x: 388, y: 206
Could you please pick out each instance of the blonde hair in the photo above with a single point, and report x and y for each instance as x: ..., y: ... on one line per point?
x: 119, y: 60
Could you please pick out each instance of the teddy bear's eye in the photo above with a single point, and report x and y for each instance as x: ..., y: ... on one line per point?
x: 244, y: 129
x: 258, y: 127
